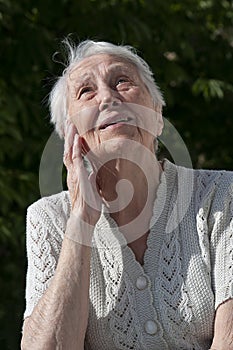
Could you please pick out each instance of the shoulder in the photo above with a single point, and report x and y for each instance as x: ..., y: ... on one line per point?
x: 51, y: 209
x: 205, y: 182
x: 216, y: 177
x: 215, y: 186
x: 59, y: 202
x: 204, y: 188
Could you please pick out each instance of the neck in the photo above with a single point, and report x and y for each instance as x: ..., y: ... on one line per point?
x: 129, y: 189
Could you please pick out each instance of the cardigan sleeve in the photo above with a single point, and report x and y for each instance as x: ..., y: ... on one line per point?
x: 43, y: 244
x: 221, y: 241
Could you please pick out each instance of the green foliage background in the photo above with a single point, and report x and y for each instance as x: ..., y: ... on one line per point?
x: 189, y: 45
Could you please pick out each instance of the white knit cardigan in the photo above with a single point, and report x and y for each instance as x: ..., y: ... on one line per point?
x: 187, y: 271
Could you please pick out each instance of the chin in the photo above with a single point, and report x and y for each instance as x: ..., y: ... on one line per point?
x: 123, y: 146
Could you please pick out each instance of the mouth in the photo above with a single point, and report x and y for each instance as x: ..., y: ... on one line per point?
x: 114, y: 121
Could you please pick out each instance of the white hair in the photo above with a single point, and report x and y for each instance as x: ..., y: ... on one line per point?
x: 87, y: 48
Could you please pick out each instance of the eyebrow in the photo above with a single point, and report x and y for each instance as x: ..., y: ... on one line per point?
x: 81, y: 78
x: 124, y: 66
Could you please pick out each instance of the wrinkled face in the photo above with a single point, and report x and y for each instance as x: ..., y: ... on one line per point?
x: 107, y: 100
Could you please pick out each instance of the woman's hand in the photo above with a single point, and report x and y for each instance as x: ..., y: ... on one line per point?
x: 85, y: 198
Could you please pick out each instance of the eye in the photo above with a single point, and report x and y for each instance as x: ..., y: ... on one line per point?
x: 122, y: 80
x: 123, y: 83
x: 84, y: 90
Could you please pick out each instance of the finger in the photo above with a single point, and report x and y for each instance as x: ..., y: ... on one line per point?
x: 67, y: 123
x: 74, y: 172
x: 96, y: 192
x: 86, y: 185
x: 67, y: 126
x: 83, y: 177
x: 70, y: 135
x: 85, y: 147
x: 90, y: 156
x: 89, y: 190
x: 92, y: 179
x: 77, y: 149
x: 71, y: 131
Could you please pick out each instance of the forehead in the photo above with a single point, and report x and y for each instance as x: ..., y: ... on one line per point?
x: 101, y: 64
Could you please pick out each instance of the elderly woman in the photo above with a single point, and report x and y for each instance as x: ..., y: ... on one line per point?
x: 137, y: 254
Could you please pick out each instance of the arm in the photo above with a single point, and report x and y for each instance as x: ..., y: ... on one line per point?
x: 60, y: 318
x: 223, y: 327
x: 221, y: 256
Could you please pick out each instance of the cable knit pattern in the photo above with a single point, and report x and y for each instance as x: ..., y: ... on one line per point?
x: 45, y: 231
x: 187, y: 271
x: 122, y: 319
x: 174, y: 294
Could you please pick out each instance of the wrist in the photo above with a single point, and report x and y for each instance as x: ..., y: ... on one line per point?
x: 79, y: 230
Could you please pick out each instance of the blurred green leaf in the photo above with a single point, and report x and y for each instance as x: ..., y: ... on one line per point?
x: 211, y: 88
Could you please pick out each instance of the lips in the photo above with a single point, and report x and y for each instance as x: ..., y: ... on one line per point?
x: 113, y: 120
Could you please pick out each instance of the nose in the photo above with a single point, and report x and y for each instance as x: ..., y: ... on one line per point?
x: 108, y: 98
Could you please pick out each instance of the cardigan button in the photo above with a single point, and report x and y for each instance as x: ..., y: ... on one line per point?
x: 141, y: 283
x: 150, y: 327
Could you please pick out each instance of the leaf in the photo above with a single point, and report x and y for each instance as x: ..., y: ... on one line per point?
x: 210, y: 88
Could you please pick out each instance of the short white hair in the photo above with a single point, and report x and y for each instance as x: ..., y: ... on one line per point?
x: 87, y: 48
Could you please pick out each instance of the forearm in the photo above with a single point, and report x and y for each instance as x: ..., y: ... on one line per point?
x: 60, y: 318
x: 223, y: 327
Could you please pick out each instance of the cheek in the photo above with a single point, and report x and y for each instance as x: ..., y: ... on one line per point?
x: 91, y: 142
x: 135, y: 94
x: 139, y: 96
x: 146, y: 99
x: 84, y: 118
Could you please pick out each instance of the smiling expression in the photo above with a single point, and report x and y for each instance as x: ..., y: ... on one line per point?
x: 107, y: 99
